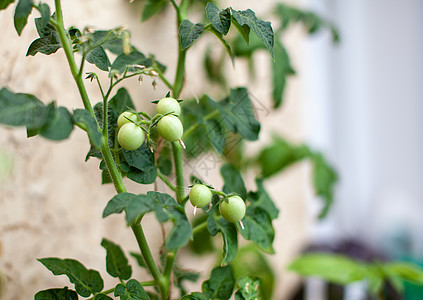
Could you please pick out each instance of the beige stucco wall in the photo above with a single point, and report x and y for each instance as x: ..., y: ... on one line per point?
x: 51, y: 201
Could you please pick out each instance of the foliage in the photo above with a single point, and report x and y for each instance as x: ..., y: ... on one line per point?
x: 210, y: 125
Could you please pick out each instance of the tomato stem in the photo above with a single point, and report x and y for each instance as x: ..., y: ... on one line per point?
x: 179, y: 171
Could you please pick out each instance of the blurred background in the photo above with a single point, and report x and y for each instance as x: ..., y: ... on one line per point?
x: 357, y: 102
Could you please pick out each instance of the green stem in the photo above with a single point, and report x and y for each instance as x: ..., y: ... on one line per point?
x: 170, y: 259
x: 165, y: 180
x: 199, y: 227
x: 179, y: 171
x: 160, y: 280
x: 70, y: 58
x: 195, y: 126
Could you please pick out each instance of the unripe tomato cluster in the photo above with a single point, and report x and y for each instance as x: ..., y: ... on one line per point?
x: 170, y: 127
x: 232, y: 208
x: 131, y: 135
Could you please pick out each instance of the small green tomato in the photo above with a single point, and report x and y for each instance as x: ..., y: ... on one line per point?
x: 200, y: 195
x: 233, y: 210
x: 168, y: 105
x: 170, y: 128
x: 130, y: 136
x: 123, y: 118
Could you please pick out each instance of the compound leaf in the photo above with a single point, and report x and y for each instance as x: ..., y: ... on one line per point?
x: 56, y: 294
x: 233, y: 181
x: 220, y: 19
x: 258, y: 228
x: 229, y: 235
x: 221, y: 283
x: 132, y: 291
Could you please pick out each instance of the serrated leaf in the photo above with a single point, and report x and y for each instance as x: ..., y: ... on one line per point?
x: 330, y: 267
x: 229, y: 235
x: 59, y: 126
x: 181, y: 275
x: 189, y: 33
x: 56, y: 294
x: 5, y: 3
x: 195, y: 296
x: 120, y: 103
x: 262, y: 29
x: 45, y: 14
x: 258, y: 228
x: 153, y: 7
x: 279, y: 155
x: 249, y: 289
x: 238, y: 114
x: 49, y: 41
x: 233, y: 181
x: 118, y: 203
x: 21, y: 110
x: 23, y: 10
x: 220, y: 285
x: 83, y: 116
x: 116, y: 261
x: 324, y: 180
x: 143, y: 169
x: 261, y: 199
x: 220, y: 19
x: 281, y: 69
x: 139, y: 259
x: 134, y: 58
x: 86, y: 281
x: 132, y: 291
x: 98, y: 57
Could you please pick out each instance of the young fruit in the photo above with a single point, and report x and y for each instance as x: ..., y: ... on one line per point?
x: 170, y: 128
x: 200, y: 195
x: 130, y: 136
x: 123, y: 118
x: 168, y: 105
x: 233, y: 210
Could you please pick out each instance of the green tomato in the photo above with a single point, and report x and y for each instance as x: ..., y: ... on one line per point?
x: 123, y: 118
x: 168, y: 105
x: 233, y: 210
x: 130, y: 136
x: 200, y: 195
x: 170, y: 128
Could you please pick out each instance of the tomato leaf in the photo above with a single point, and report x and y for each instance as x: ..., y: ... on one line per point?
x: 189, y: 33
x: 181, y: 275
x: 119, y: 203
x: 221, y: 283
x: 23, y: 10
x: 281, y: 69
x: 249, y: 288
x: 220, y: 19
x: 324, y: 179
x: 116, y: 261
x: 262, y: 29
x: 5, y: 3
x: 140, y: 260
x: 45, y: 14
x: 238, y: 114
x: 86, y: 281
x: 59, y: 124
x: 132, y: 291
x: 102, y: 297
x: 83, y: 116
x: 21, y: 110
x: 330, y: 267
x: 141, y: 161
x: 261, y: 199
x: 56, y: 294
x: 195, y: 296
x: 229, y: 235
x: 258, y: 228
x: 153, y: 7
x: 233, y: 181
x: 98, y: 57
x: 120, y: 103
x: 124, y: 61
x: 49, y: 41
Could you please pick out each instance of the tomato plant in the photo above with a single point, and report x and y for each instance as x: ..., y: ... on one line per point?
x: 126, y: 143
